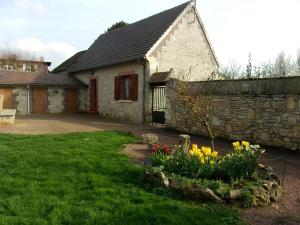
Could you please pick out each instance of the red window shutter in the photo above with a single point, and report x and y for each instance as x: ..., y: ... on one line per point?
x: 117, y: 88
x: 134, y: 87
x: 122, y: 88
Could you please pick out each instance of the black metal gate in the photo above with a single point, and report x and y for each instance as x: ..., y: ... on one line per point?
x: 158, y: 104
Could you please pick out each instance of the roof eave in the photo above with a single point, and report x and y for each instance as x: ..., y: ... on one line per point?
x: 107, y: 65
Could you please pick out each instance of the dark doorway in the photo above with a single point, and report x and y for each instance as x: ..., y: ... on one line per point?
x: 158, y: 104
x: 93, y: 96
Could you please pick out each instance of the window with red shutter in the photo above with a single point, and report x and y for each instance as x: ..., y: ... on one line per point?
x: 134, y: 87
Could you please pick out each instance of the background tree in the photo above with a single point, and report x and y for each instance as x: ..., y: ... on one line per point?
x: 10, y: 57
x: 284, y: 66
x: 231, y: 71
x: 117, y: 25
x: 249, y: 68
x: 298, y: 61
x: 13, y: 54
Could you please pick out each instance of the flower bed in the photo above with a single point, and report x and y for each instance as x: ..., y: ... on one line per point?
x: 203, y: 174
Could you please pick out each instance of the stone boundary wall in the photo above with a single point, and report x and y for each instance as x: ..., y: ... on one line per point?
x: 262, y: 111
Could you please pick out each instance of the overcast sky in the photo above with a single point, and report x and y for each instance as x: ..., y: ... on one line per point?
x: 57, y: 29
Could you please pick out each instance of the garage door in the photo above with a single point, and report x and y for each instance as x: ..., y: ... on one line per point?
x: 39, y: 100
x: 71, y: 100
x: 8, y: 97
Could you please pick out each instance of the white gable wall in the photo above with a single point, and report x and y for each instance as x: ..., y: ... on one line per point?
x: 183, y: 48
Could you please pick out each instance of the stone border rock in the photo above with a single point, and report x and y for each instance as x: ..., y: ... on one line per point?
x: 268, y: 191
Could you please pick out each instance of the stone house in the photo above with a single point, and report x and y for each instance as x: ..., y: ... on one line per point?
x: 126, y: 69
x: 28, y: 88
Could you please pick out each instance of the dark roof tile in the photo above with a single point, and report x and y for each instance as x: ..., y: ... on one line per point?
x: 38, y: 79
x: 69, y: 62
x: 128, y: 43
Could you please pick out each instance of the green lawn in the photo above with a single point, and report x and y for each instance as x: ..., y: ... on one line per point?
x: 83, y: 178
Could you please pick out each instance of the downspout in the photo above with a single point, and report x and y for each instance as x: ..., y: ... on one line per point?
x: 28, y: 100
x: 144, y: 91
x: 143, y: 61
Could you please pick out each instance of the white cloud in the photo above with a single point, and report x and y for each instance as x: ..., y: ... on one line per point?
x: 12, y: 24
x: 53, y: 51
x: 31, y: 6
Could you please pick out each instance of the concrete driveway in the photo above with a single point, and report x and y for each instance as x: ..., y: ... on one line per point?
x: 63, y: 123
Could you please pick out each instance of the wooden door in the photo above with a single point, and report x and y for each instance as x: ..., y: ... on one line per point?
x: 71, y: 100
x: 93, y: 95
x: 39, y: 100
x: 7, y: 97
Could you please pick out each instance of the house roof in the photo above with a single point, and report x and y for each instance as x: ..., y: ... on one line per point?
x: 37, y: 79
x: 69, y: 62
x: 160, y: 77
x: 127, y: 43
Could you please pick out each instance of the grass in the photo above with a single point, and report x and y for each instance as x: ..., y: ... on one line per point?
x: 83, y: 178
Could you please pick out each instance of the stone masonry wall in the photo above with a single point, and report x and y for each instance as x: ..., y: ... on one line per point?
x: 265, y: 111
x: 21, y: 100
x: 82, y: 99
x: 107, y: 105
x: 56, y: 100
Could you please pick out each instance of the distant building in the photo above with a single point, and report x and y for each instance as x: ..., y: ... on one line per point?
x: 20, y: 65
x: 28, y: 87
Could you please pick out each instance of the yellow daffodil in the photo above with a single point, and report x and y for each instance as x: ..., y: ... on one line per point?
x: 191, y: 152
x: 246, y: 144
x: 200, y: 154
x: 206, y: 151
x: 214, y: 154
x: 202, y: 160
x: 194, y: 147
x: 236, y: 144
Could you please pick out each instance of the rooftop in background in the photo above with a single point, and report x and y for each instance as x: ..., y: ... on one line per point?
x: 8, y: 78
x: 68, y: 63
x: 24, y: 65
x: 128, y: 43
